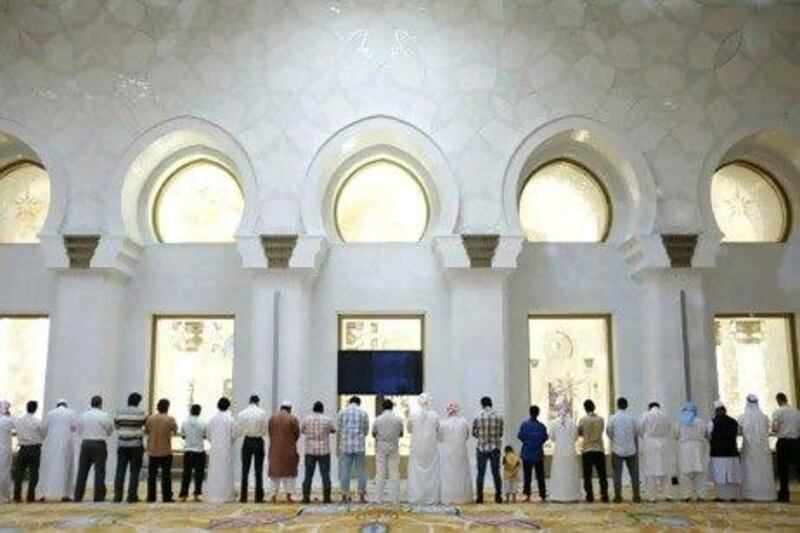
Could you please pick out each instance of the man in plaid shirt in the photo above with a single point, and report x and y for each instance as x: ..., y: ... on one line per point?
x: 487, y: 428
x: 317, y: 429
x: 353, y: 425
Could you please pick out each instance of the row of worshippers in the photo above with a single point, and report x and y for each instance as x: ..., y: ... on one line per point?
x: 49, y: 442
x: 439, y: 460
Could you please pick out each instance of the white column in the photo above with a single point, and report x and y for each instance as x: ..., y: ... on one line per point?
x: 293, y: 328
x: 254, y: 374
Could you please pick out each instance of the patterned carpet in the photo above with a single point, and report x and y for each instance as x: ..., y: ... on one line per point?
x: 375, y: 518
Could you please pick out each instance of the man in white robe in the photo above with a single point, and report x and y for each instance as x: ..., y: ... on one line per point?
x: 424, y: 485
x: 758, y: 481
x: 456, y: 480
x: 6, y: 451
x: 655, y: 432
x: 724, y: 467
x: 58, y: 453
x: 221, y: 435
x: 692, y: 453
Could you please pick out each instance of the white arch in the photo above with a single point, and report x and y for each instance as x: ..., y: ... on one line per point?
x: 602, y: 146
x: 150, y: 149
x: 742, y: 144
x: 368, y: 138
x: 55, y: 172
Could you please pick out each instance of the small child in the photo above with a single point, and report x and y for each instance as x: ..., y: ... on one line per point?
x: 511, y: 465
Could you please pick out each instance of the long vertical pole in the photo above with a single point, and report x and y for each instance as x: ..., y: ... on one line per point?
x: 687, y: 373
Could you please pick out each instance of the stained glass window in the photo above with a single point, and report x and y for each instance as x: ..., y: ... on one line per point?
x: 23, y: 361
x: 748, y: 205
x: 24, y: 202
x: 382, y: 333
x: 200, y: 202
x: 568, y: 363
x: 563, y: 202
x: 193, y: 362
x: 754, y: 356
x: 381, y: 202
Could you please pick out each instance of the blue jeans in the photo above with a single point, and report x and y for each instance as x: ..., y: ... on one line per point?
x: 493, y: 457
x: 346, y: 463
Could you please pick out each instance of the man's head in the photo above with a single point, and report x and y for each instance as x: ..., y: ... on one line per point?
x: 96, y: 402
x: 508, y: 449
x: 318, y: 407
x: 354, y: 400
x: 588, y: 406
x: 653, y: 405
x: 134, y: 399
x: 781, y: 399
x: 286, y: 407
x: 31, y: 407
x: 622, y: 403
x: 533, y: 410
x: 719, y: 408
x: 387, y: 404
x: 254, y: 399
x: 223, y: 404
x: 61, y: 403
x: 195, y: 410
x: 486, y: 402
x: 162, y: 406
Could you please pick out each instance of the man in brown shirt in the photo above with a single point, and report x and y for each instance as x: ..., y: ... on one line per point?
x: 590, y: 428
x: 160, y: 428
x: 284, y: 430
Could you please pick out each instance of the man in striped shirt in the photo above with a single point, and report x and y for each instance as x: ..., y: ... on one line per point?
x: 317, y: 429
x: 487, y: 428
x: 130, y: 447
x: 353, y: 423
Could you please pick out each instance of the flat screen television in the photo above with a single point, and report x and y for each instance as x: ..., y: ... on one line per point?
x: 389, y: 372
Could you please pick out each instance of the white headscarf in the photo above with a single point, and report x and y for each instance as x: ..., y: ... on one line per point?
x: 423, y: 400
x: 755, y: 424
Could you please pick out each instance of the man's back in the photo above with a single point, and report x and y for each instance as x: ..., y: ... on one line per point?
x: 786, y: 422
x: 487, y: 428
x: 353, y: 425
x: 655, y: 425
x: 160, y: 428
x: 130, y: 426
x: 590, y: 428
x: 621, y: 430
x: 387, y: 430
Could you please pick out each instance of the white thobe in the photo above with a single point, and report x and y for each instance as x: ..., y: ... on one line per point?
x: 758, y: 481
x: 692, y: 458
x: 424, y: 484
x: 565, y: 471
x: 6, y: 452
x: 220, y: 434
x: 655, y: 430
x: 58, y: 454
x: 456, y: 481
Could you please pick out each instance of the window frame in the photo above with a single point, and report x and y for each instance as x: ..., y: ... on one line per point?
x: 592, y: 176
x: 793, y: 342
x: 8, y: 169
x: 151, y: 400
x: 776, y: 184
x: 607, y: 319
x: 36, y: 316
x: 358, y: 168
x: 200, y: 159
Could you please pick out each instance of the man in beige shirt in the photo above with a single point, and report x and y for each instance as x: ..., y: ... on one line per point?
x: 590, y: 428
x: 160, y: 428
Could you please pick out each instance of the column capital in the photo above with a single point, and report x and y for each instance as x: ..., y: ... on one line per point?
x: 482, y: 252
x: 284, y: 253
x: 114, y: 254
x: 647, y: 254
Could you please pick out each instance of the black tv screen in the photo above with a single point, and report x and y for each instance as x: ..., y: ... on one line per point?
x: 389, y: 372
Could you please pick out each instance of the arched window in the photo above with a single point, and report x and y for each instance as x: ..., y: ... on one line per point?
x: 748, y: 204
x: 200, y: 202
x: 563, y: 202
x: 381, y: 202
x: 24, y: 201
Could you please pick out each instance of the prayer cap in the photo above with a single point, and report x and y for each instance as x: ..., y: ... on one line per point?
x: 286, y: 403
x: 752, y: 398
x: 718, y: 404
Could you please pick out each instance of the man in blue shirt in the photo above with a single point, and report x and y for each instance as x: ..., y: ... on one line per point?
x: 533, y: 435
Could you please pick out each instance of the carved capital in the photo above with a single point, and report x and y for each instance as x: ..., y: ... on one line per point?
x: 80, y: 249
x: 480, y: 249
x: 278, y: 249
x: 680, y: 249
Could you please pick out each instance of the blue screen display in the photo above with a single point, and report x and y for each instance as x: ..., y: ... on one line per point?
x: 389, y: 372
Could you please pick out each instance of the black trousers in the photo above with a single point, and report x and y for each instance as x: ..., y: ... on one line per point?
x: 324, y: 462
x: 194, y: 467
x: 93, y: 454
x: 632, y: 462
x: 493, y: 457
x: 527, y: 468
x: 128, y: 456
x: 28, y: 458
x: 596, y: 460
x: 164, y: 464
x: 788, y: 455
x: 253, y: 452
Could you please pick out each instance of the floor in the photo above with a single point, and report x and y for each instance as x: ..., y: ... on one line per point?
x: 375, y: 518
